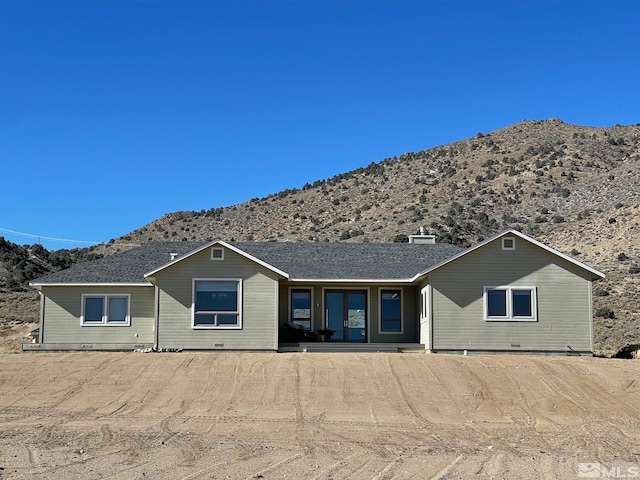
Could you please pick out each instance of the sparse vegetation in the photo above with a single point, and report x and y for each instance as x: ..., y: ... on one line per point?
x: 566, y: 185
x: 604, y: 312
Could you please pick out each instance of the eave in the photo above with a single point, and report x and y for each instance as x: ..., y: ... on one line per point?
x: 352, y: 280
x: 88, y: 284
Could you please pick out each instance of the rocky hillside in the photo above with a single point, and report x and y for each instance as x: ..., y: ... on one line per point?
x: 574, y: 188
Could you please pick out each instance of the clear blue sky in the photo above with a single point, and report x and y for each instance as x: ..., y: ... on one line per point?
x: 113, y: 113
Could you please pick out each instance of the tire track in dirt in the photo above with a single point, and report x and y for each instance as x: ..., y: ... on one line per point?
x: 445, y: 471
x: 77, y: 387
x: 31, y: 456
x: 275, y: 466
x: 402, y: 391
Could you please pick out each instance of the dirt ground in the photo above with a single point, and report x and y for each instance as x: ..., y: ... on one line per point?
x: 314, y: 416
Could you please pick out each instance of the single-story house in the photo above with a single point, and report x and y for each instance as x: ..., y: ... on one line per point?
x: 506, y: 293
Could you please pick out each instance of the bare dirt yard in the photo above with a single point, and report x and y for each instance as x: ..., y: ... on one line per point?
x: 315, y: 416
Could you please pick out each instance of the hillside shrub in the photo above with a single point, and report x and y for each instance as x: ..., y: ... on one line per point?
x: 605, y: 312
x: 400, y: 238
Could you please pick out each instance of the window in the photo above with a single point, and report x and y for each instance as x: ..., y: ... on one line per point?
x: 217, y: 253
x: 424, y: 304
x: 508, y: 243
x: 300, y: 313
x: 217, y: 303
x: 112, y: 310
x: 391, y: 311
x: 510, y: 304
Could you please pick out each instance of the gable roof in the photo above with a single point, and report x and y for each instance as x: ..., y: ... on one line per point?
x: 350, y: 261
x: 296, y: 261
x: 222, y: 244
x: 510, y: 231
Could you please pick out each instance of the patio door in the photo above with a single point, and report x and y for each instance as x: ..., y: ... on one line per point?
x: 346, y: 314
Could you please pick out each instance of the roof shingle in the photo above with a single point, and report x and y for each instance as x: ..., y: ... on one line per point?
x: 311, y: 261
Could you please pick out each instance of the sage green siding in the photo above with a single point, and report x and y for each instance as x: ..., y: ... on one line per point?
x: 63, y: 308
x: 410, y: 310
x: 563, y: 298
x: 259, y: 304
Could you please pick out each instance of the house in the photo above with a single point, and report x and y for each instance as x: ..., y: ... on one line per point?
x: 506, y: 293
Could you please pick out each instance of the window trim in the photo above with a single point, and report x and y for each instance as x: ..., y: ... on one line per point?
x: 509, y: 317
x: 301, y: 289
x: 105, y: 310
x: 513, y: 243
x: 217, y: 249
x: 381, y: 331
x: 238, y: 312
x: 425, y: 304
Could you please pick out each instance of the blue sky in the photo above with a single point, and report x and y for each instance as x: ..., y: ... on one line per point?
x: 113, y: 113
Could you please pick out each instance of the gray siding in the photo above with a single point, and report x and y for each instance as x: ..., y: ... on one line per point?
x: 259, y: 304
x: 410, y: 311
x: 63, y: 307
x: 563, y: 297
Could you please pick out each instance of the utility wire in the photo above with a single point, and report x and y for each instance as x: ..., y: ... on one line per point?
x: 41, y: 237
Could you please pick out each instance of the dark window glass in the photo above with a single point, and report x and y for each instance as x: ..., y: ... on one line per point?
x: 93, y: 308
x: 216, y: 296
x: 521, y: 303
x: 496, y: 303
x: 390, y: 308
x: 301, y: 308
x: 117, y: 309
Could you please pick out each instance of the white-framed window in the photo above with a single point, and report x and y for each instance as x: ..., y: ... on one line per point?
x: 510, y: 304
x: 217, y: 303
x: 300, y: 309
x: 106, y: 310
x: 424, y: 304
x: 217, y: 253
x: 390, y: 310
x: 508, y: 243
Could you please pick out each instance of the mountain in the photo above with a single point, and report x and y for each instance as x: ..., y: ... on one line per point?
x: 575, y: 188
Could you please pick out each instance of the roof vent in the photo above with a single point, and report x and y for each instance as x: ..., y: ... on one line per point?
x: 423, y: 238
x: 173, y: 256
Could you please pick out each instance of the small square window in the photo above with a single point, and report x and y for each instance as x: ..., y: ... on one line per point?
x: 508, y: 243
x: 217, y: 253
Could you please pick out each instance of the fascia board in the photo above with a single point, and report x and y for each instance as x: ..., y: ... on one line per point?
x: 87, y: 284
x: 351, y: 280
x: 225, y: 245
x: 593, y: 271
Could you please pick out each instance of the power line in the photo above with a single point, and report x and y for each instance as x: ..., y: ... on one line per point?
x: 42, y: 237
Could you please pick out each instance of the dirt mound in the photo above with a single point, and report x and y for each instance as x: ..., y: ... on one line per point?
x: 249, y: 415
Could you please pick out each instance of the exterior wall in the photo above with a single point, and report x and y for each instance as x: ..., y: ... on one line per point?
x: 63, y: 307
x: 259, y: 304
x: 410, y: 311
x: 563, y: 300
